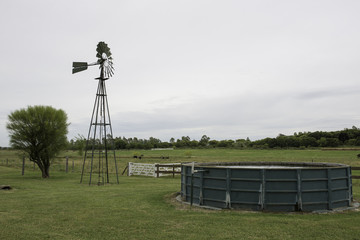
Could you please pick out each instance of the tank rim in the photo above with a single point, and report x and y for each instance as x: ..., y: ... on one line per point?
x: 274, y: 165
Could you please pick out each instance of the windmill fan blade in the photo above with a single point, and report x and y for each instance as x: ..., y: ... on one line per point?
x: 79, y: 66
x: 101, y: 48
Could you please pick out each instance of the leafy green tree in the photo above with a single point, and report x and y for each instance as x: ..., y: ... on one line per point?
x: 225, y: 143
x: 80, y: 144
x: 241, y: 143
x: 186, y: 141
x: 322, y: 142
x: 204, y: 141
x: 179, y: 143
x: 40, y: 132
x: 307, y: 141
x: 332, y: 142
x: 155, y: 143
x: 213, y: 143
x: 120, y: 143
x: 194, y: 144
x: 270, y: 142
x: 343, y: 136
x: 282, y: 141
x: 293, y: 142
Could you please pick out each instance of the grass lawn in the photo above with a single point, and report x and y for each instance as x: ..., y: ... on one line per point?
x: 143, y: 207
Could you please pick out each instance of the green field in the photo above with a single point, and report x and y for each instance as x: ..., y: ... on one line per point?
x: 144, y: 208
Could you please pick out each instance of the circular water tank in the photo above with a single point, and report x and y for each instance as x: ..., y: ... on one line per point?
x: 269, y: 186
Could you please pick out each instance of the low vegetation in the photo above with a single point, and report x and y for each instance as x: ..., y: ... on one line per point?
x: 144, y: 207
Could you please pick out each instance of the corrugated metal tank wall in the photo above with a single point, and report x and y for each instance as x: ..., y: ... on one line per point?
x: 273, y: 189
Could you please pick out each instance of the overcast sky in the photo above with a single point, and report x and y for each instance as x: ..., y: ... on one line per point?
x: 227, y: 69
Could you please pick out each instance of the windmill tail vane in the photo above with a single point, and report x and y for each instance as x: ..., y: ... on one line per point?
x: 81, y: 66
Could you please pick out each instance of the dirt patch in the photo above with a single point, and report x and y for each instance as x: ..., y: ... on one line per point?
x: 175, y: 200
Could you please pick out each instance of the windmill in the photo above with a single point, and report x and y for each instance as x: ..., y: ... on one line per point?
x: 99, y: 145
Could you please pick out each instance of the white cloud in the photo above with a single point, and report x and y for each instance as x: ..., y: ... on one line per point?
x: 227, y: 69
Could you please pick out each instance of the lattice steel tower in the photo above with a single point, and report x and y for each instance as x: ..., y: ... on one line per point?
x: 100, y: 147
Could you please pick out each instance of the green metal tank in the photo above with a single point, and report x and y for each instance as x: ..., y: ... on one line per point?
x: 267, y: 186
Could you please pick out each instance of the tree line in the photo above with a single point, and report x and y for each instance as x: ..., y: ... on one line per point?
x: 346, y: 137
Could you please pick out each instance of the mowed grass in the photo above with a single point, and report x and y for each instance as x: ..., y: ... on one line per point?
x: 144, y: 207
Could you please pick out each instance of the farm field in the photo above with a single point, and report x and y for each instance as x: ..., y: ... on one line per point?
x: 144, y: 207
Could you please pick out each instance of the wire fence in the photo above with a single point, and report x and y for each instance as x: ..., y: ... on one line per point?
x: 65, y: 164
x: 74, y: 163
x: 62, y: 164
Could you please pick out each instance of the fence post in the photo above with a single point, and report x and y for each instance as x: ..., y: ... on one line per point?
x: 173, y: 170
x: 73, y: 165
x: 129, y: 170
x: 67, y: 164
x: 23, y: 166
x: 7, y: 160
x: 157, y: 170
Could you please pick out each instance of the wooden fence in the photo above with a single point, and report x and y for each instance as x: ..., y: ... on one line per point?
x: 168, y: 169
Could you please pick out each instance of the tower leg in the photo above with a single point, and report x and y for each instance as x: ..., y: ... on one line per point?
x: 100, y: 139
